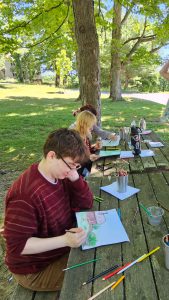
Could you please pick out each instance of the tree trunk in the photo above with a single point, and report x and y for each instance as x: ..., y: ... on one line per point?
x: 115, y: 70
x: 79, y: 98
x: 88, y: 53
x: 126, y: 77
x: 57, y: 80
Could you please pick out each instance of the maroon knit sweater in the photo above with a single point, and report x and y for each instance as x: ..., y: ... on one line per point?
x: 38, y: 208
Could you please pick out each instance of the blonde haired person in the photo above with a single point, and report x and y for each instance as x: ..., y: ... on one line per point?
x: 104, y: 134
x: 84, y: 125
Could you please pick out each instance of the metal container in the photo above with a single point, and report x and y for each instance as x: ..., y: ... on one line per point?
x: 166, y: 250
x: 122, y: 182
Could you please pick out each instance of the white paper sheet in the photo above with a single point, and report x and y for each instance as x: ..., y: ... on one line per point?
x: 103, y: 228
x: 112, y: 189
x: 106, y: 153
x: 146, y: 153
x: 156, y: 144
x: 146, y: 131
x: 129, y: 154
x: 126, y: 154
x: 109, y: 143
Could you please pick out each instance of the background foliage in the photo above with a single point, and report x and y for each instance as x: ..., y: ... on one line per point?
x: 36, y: 34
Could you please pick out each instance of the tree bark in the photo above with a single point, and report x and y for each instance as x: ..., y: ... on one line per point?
x: 57, y: 80
x: 115, y: 70
x: 88, y: 53
x: 79, y: 98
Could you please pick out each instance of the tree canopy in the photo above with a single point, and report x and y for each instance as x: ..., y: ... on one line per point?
x: 36, y: 33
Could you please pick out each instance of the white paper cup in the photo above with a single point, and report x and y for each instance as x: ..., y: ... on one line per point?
x: 156, y: 215
x: 122, y: 182
x: 166, y: 250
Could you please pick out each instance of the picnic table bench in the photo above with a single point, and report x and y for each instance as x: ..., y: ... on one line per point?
x: 21, y: 293
x: 147, y: 280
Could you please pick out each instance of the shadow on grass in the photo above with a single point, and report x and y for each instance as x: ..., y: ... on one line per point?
x: 3, y: 86
x: 57, y: 92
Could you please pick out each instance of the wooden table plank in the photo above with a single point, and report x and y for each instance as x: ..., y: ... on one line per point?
x: 111, y: 254
x: 161, y: 154
x: 161, y: 189
x: 72, y: 286
x: 137, y: 277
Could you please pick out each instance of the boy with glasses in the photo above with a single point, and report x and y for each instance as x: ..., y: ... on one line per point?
x: 40, y: 208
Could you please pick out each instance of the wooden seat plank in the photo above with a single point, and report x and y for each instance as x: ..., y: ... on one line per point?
x: 46, y: 296
x: 136, y: 276
x: 21, y: 293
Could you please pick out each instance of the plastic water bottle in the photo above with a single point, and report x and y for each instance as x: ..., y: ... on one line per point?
x: 133, y: 123
x: 142, y: 124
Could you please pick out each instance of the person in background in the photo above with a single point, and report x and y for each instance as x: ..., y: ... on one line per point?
x: 40, y: 207
x: 164, y: 72
x: 104, y: 134
x: 84, y: 125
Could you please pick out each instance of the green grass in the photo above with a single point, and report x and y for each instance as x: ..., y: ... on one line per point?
x: 30, y: 112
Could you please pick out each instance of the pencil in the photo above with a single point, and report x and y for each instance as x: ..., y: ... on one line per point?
x: 130, y: 265
x: 71, y: 231
x: 145, y: 209
x: 100, y: 274
x: 148, y: 254
x: 117, y: 282
x: 115, y: 272
x: 81, y: 264
x: 98, y: 198
x: 101, y: 291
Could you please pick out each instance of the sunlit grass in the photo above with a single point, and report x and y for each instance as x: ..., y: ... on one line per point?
x: 30, y: 112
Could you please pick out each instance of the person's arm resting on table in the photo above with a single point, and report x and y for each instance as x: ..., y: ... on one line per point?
x: 104, y: 134
x: 38, y: 245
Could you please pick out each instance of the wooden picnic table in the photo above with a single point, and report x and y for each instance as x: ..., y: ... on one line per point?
x: 148, y: 279
x: 156, y: 163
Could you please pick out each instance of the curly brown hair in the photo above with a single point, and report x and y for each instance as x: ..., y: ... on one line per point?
x: 87, y: 107
x: 90, y: 108
x: 66, y: 143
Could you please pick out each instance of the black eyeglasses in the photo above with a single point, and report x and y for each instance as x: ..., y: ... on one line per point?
x: 71, y: 168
